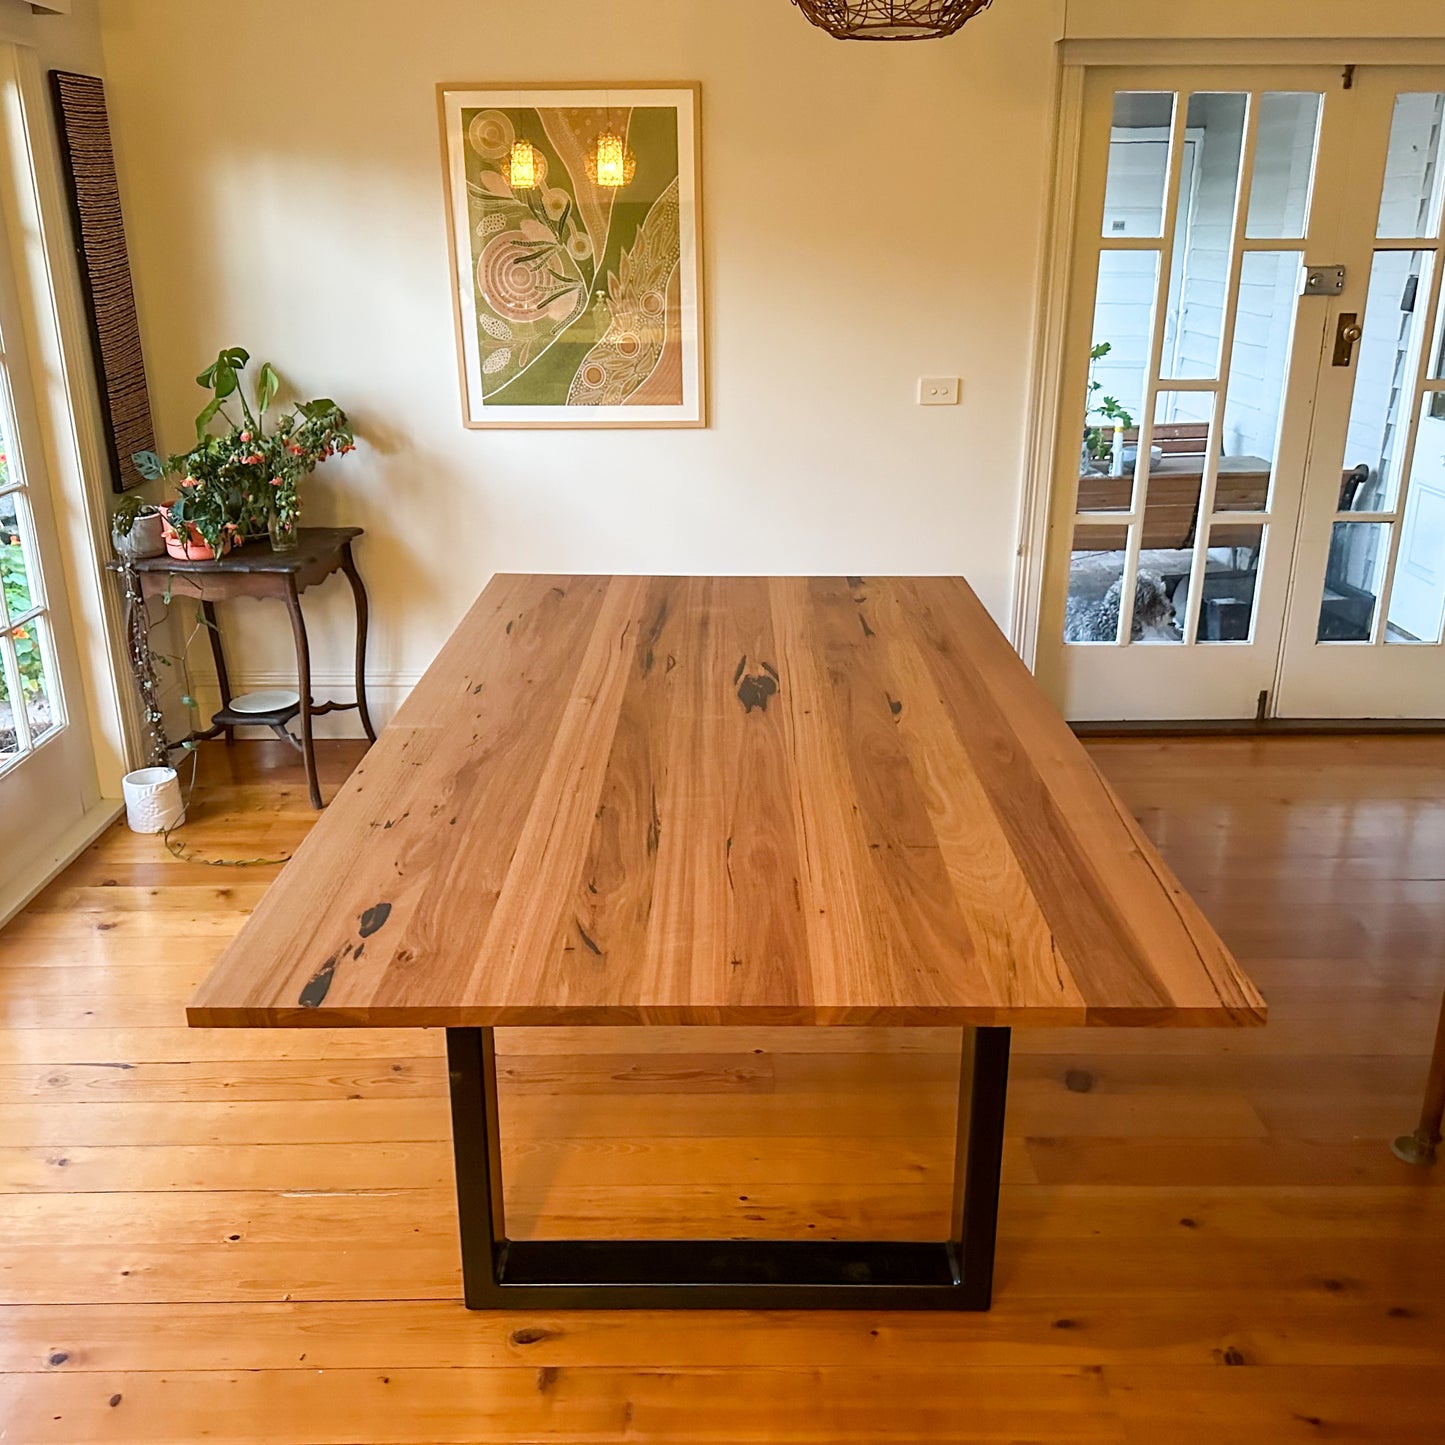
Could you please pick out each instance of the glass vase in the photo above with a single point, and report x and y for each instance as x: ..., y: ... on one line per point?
x: 285, y: 532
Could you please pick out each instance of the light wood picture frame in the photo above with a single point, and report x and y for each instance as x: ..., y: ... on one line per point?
x: 575, y: 230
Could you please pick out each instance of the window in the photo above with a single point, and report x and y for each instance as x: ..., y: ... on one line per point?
x: 30, y: 704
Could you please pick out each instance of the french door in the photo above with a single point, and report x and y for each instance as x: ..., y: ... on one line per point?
x: 47, y: 770
x: 1248, y: 519
x: 1363, y: 636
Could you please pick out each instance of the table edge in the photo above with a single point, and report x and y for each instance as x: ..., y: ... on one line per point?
x: 715, y: 1016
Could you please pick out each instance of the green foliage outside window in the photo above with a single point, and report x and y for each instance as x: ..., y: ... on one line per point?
x: 18, y: 600
x: 1108, y: 407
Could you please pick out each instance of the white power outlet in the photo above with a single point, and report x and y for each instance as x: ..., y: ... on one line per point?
x: 938, y: 391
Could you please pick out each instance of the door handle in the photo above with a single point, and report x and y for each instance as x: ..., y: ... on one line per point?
x: 1347, y: 332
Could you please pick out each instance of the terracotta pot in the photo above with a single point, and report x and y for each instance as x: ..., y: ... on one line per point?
x: 194, y: 547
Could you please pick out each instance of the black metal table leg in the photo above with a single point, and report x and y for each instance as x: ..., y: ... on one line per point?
x: 952, y: 1274
x: 978, y: 1156
x: 476, y: 1140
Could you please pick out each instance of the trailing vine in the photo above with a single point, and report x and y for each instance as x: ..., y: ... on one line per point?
x: 143, y: 659
x: 142, y: 663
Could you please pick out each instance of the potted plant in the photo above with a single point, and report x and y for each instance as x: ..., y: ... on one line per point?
x: 1098, y: 448
x: 135, y: 529
x: 243, y: 481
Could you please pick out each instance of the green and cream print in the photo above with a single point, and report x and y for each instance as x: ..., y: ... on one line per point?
x: 577, y: 286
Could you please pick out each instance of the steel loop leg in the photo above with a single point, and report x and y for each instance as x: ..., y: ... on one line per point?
x: 952, y: 1274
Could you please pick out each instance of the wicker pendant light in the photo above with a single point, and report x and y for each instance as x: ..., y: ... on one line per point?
x: 891, y: 19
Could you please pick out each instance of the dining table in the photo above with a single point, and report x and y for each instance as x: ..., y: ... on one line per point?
x: 750, y: 802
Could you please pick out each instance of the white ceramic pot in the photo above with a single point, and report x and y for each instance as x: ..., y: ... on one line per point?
x: 153, y: 800
x: 145, y: 539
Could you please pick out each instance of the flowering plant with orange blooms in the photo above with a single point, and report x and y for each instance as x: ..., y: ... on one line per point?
x: 242, y: 481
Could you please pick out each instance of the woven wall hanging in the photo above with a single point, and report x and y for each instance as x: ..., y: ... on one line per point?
x: 89, y: 166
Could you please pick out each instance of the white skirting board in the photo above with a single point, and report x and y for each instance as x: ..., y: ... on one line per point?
x: 20, y: 889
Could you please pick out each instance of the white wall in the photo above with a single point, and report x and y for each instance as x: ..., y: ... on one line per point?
x: 872, y: 214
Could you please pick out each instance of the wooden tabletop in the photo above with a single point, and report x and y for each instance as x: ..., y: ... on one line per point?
x: 726, y: 801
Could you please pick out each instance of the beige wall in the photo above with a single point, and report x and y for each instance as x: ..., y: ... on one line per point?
x: 872, y: 214
x: 64, y: 41
x: 1255, y: 19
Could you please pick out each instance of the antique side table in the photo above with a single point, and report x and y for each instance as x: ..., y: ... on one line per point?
x: 256, y: 570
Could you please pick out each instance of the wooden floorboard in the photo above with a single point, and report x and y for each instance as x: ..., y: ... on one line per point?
x: 1204, y: 1237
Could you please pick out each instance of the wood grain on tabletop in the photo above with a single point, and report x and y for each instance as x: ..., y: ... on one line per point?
x: 723, y: 801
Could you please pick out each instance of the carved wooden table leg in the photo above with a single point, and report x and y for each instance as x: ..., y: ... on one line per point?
x: 1421, y: 1146
x: 208, y: 611
x: 303, y: 683
x: 348, y: 566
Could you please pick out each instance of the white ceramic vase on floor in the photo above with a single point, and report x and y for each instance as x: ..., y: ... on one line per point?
x: 153, y: 800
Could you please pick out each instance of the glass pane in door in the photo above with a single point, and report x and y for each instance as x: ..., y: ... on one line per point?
x: 1414, y: 175
x: 1155, y: 616
x: 1178, y: 460
x: 1387, y: 363
x: 1231, y: 579
x: 1118, y: 372
x: 1204, y: 235
x: 1178, y: 469
x: 1417, y: 591
x: 31, y: 650
x: 1096, y: 580
x: 1354, y: 573
x: 16, y: 570
x: 9, y: 738
x: 1437, y: 349
x: 1284, y: 165
x: 1269, y: 285
x: 1138, y: 163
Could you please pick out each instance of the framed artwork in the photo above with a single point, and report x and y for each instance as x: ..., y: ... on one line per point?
x: 576, y: 245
